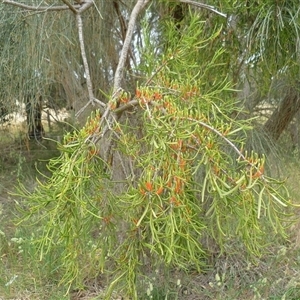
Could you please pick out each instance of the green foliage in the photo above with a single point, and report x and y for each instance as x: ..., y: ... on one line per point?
x: 67, y: 206
x: 280, y: 21
x: 191, y: 178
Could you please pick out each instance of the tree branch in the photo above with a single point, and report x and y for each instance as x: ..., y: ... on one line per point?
x: 234, y: 147
x: 40, y: 8
x: 85, y: 5
x: 205, y: 6
x: 71, y: 7
x: 76, y: 8
x: 126, y: 106
x: 84, y: 59
x: 124, y: 52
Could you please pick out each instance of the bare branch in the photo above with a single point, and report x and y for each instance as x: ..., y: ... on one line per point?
x: 140, y: 5
x: 72, y: 8
x: 76, y: 8
x: 205, y: 6
x: 85, y: 5
x: 89, y: 84
x: 40, y: 8
x: 126, y: 106
x: 95, y: 100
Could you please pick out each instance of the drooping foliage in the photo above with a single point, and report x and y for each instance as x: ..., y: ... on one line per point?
x: 160, y: 172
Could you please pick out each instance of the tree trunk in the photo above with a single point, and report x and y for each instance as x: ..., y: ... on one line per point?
x: 34, y: 107
x: 283, y: 115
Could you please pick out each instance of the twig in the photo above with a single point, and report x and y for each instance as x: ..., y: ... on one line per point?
x: 205, y: 6
x: 39, y: 8
x: 126, y: 106
x: 71, y: 7
x: 155, y: 73
x: 85, y: 5
x: 102, y: 104
x: 234, y: 147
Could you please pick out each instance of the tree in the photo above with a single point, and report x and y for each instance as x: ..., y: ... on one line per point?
x: 265, y: 37
x: 157, y: 172
x: 257, y: 66
x: 41, y: 57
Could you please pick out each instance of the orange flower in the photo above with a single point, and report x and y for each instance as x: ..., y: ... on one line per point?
x: 157, y: 96
x: 259, y: 173
x: 174, y: 201
x: 124, y: 100
x: 93, y: 152
x: 216, y: 170
x: 209, y: 145
x: 160, y: 190
x: 178, y: 185
x: 182, y: 164
x: 107, y: 219
x: 112, y: 105
x: 138, y: 93
x: 148, y: 186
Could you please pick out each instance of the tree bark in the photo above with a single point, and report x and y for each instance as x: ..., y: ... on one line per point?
x: 283, y: 115
x: 34, y: 117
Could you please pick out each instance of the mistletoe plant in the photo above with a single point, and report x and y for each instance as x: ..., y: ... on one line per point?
x: 187, y: 175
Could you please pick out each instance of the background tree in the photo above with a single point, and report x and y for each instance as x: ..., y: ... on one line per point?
x: 264, y: 35
x: 45, y: 58
x: 261, y: 66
